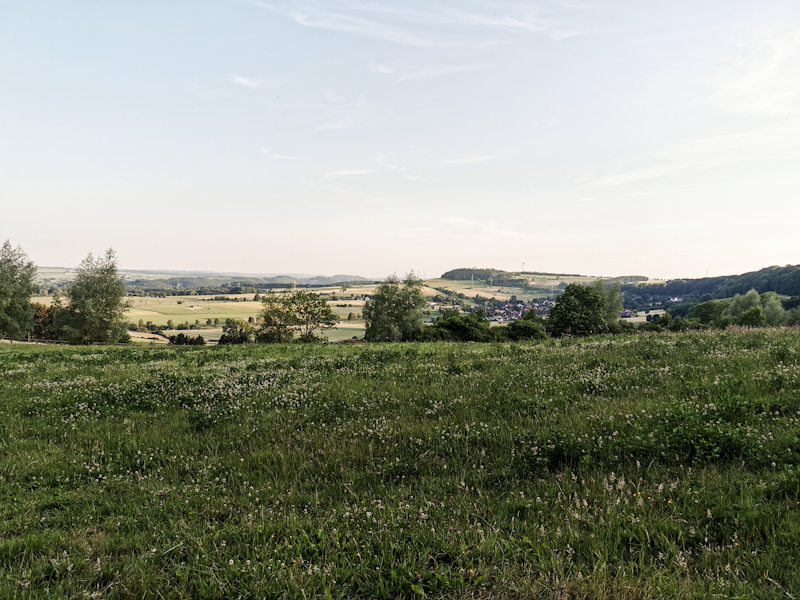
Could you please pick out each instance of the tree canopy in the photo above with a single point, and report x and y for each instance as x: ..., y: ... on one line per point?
x: 394, y: 312
x: 95, y: 303
x: 17, y: 275
x: 300, y: 312
x: 579, y: 311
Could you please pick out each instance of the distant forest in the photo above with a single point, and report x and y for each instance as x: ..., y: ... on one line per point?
x: 782, y: 280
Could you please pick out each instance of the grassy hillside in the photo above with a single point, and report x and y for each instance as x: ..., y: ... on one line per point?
x: 644, y: 467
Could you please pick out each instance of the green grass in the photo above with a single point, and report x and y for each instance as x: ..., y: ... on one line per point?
x: 655, y: 466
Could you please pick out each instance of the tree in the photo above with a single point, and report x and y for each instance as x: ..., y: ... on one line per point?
x: 276, y: 319
x: 710, y: 311
x: 17, y: 274
x: 184, y: 340
x: 614, y: 304
x: 312, y: 314
x: 529, y: 327
x: 774, y: 312
x: 753, y: 317
x: 579, y: 311
x: 394, y: 313
x: 740, y: 304
x: 454, y: 326
x: 299, y: 312
x: 43, y: 321
x: 95, y: 309
x: 236, y: 331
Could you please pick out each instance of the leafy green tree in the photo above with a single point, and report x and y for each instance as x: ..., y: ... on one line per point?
x: 579, y: 311
x: 773, y: 309
x: 312, y: 314
x: 463, y: 328
x: 184, y: 340
x: 236, y: 331
x: 394, y: 312
x: 753, y: 317
x: 170, y: 324
x: 614, y: 305
x: 300, y: 312
x: 276, y: 319
x: 529, y: 327
x: 43, y: 321
x: 709, y: 312
x: 95, y: 309
x: 17, y: 274
x: 742, y: 303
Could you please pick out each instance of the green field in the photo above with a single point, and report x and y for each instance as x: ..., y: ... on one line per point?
x: 540, y: 286
x: 652, y: 466
x: 181, y: 309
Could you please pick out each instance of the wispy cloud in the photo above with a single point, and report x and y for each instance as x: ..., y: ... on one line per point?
x: 469, y: 160
x: 764, y: 79
x: 422, y: 24
x: 405, y: 171
x: 637, y: 175
x: 253, y: 84
x: 274, y: 156
x: 421, y: 73
x: 772, y: 143
x: 343, y: 122
x: 347, y: 174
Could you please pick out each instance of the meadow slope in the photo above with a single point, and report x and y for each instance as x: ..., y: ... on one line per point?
x: 650, y: 466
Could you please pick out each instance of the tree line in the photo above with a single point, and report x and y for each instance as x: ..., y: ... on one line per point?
x: 781, y: 280
x: 90, y: 309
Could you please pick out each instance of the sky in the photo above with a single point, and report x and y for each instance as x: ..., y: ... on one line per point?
x: 369, y: 137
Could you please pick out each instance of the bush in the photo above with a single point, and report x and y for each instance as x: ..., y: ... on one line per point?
x: 529, y: 327
x: 185, y: 340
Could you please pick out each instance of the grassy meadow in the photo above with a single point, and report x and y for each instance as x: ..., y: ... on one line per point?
x: 650, y: 466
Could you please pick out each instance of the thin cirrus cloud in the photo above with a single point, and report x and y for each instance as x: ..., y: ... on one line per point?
x: 728, y: 151
x: 422, y: 73
x: 275, y: 156
x: 763, y: 79
x: 468, y: 160
x: 337, y: 123
x: 347, y: 174
x: 252, y: 84
x: 427, y: 25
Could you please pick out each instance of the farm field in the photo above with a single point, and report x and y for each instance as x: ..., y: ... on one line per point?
x: 201, y: 308
x: 471, y: 289
x: 540, y: 285
x: 650, y: 466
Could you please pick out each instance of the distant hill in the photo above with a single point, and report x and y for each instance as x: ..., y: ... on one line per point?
x: 506, y: 278
x: 783, y: 280
x: 204, y: 282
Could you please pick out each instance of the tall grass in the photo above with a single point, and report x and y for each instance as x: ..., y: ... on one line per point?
x: 626, y: 467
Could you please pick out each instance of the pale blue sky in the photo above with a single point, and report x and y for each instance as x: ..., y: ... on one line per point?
x: 367, y: 137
